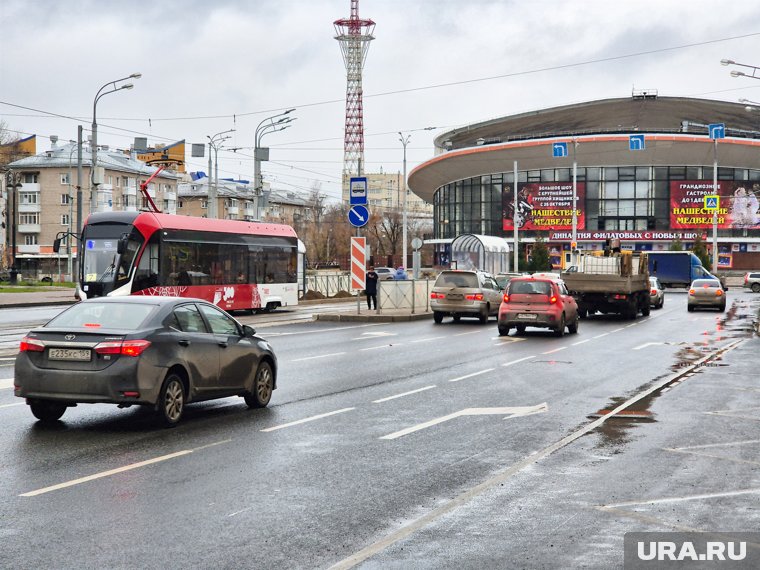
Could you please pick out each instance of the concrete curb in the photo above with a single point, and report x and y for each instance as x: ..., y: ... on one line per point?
x: 373, y: 318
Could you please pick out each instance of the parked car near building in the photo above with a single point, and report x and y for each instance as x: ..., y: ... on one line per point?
x: 464, y: 294
x: 385, y: 273
x: 162, y: 352
x: 752, y: 281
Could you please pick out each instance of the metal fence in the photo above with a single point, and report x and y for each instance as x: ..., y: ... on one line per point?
x: 328, y: 283
x: 410, y: 294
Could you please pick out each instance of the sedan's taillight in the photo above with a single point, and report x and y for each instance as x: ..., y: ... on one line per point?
x: 31, y: 345
x: 435, y: 295
x: 719, y: 292
x: 124, y: 348
x: 691, y: 291
x: 474, y: 297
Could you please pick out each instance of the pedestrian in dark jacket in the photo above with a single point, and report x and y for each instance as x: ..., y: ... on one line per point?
x: 371, y: 287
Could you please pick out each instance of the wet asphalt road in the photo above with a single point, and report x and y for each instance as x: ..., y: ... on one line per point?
x: 425, y: 447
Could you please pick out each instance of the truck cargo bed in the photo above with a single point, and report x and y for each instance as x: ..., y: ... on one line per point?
x: 600, y: 283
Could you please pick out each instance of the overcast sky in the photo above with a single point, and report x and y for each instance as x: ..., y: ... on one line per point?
x: 208, y: 66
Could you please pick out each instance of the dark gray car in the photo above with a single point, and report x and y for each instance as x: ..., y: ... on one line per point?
x: 162, y: 352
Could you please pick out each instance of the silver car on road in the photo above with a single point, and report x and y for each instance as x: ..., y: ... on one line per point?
x: 465, y: 294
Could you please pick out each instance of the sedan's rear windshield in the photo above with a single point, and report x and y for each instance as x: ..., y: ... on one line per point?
x: 529, y: 288
x: 124, y: 316
x: 706, y: 283
x: 457, y: 279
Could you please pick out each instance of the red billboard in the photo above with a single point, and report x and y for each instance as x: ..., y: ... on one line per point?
x: 543, y: 206
x: 738, y: 207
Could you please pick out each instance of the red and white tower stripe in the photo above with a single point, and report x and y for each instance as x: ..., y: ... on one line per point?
x: 354, y: 36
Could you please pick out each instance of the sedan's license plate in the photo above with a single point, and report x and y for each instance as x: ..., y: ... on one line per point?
x: 527, y: 316
x: 68, y: 354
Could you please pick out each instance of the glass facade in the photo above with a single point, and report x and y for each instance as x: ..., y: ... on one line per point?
x: 617, y: 198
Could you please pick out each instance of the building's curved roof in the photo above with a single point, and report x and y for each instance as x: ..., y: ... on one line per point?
x: 675, y: 129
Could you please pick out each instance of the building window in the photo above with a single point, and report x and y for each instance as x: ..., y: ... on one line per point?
x: 30, y: 239
x: 65, y: 199
x: 204, y: 204
x: 180, y: 204
x: 64, y: 219
x: 29, y: 198
x: 65, y: 178
x: 30, y: 178
x: 29, y: 218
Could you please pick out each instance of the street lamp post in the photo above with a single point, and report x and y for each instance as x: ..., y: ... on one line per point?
x: 14, y: 182
x: 215, y: 143
x: 266, y: 126
x: 404, y: 141
x: 94, y: 143
x: 736, y: 73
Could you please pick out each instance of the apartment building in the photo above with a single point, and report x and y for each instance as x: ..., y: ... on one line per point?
x: 45, y: 200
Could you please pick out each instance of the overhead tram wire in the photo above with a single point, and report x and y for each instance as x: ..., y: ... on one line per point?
x: 234, y: 116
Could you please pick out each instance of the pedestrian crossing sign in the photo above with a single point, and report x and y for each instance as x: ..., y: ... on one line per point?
x: 712, y: 203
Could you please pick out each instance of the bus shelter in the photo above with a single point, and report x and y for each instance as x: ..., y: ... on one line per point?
x: 486, y: 253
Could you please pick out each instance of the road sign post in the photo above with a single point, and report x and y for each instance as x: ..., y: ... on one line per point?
x: 717, y: 131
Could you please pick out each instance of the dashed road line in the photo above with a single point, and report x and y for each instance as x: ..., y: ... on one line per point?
x: 554, y: 350
x: 518, y: 360
x: 404, y: 394
x: 305, y: 420
x: 319, y: 356
x: 471, y: 375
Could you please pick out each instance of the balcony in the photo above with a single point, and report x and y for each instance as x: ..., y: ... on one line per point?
x: 29, y: 187
x: 170, y: 196
x: 129, y: 191
x: 27, y: 248
x: 233, y: 210
x: 29, y: 228
x: 29, y: 208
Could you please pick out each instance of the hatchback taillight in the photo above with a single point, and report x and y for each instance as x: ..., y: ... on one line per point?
x: 474, y: 297
x: 31, y: 345
x: 746, y: 277
x: 124, y: 348
x: 506, y: 297
x: 552, y: 299
x: 653, y: 292
x: 435, y: 295
x: 719, y: 292
x: 691, y: 291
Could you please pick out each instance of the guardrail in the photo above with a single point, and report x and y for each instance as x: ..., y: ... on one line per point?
x: 328, y: 284
x: 408, y: 294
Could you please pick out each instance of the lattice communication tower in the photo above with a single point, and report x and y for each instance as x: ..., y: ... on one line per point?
x: 354, y: 35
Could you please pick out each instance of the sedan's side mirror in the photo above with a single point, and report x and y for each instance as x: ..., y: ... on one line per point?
x: 249, y: 331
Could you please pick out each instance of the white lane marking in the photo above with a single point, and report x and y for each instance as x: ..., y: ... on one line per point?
x: 6, y: 383
x: 684, y: 498
x: 117, y: 470
x: 600, y: 335
x: 381, y: 400
x: 581, y: 342
x: 471, y: 375
x: 320, y: 330
x: 10, y: 405
x: 471, y: 332
x: 510, y: 411
x: 310, y: 419
x: 631, y: 325
x: 8, y: 359
x: 381, y: 346
x: 706, y: 445
x: 373, y: 335
x: 518, y: 360
x: 646, y: 344
x: 428, y: 339
x: 315, y: 357
x: 555, y: 350
x: 617, y: 330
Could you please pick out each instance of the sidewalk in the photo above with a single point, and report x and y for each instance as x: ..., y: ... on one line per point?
x: 65, y: 296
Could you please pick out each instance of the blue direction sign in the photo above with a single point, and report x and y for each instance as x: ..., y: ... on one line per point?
x: 358, y: 216
x: 717, y: 130
x: 559, y: 149
x: 357, y: 190
x: 636, y: 142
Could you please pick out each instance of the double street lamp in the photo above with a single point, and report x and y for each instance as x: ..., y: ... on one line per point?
x: 266, y: 126
x: 404, y: 141
x: 737, y: 73
x: 107, y: 89
x: 215, y: 143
